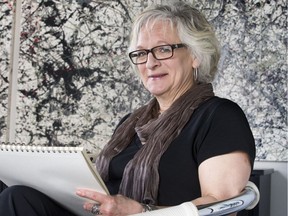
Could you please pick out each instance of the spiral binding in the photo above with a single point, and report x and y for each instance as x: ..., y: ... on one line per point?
x: 21, y: 147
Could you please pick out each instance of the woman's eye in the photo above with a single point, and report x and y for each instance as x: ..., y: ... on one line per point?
x: 164, y: 49
x: 141, y: 54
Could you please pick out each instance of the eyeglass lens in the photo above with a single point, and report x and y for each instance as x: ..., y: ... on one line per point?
x: 159, y: 52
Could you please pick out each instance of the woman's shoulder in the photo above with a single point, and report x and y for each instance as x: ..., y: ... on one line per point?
x: 218, y: 101
x: 222, y: 108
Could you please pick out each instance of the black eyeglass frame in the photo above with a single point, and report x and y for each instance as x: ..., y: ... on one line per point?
x: 173, y: 46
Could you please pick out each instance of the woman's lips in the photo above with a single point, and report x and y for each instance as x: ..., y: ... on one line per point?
x: 155, y: 76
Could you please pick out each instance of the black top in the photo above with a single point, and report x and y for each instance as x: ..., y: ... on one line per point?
x: 217, y: 127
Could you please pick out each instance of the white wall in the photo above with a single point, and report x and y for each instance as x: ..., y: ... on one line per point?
x: 278, y: 186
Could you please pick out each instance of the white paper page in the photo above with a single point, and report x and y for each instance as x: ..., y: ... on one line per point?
x: 56, y: 174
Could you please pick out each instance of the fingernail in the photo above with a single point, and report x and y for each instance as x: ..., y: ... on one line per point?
x: 79, y: 192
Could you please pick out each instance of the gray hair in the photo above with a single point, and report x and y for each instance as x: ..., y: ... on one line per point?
x: 193, y: 30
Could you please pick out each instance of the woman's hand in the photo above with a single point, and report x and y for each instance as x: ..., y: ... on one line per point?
x: 117, y: 205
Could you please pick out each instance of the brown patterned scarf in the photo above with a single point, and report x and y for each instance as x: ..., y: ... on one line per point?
x: 141, y: 178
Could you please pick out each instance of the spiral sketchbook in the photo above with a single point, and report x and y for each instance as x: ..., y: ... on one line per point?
x: 55, y: 171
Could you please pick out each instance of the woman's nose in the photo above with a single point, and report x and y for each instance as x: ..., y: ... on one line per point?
x: 152, y: 62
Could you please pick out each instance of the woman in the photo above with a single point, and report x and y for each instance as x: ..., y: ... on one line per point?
x: 186, y: 144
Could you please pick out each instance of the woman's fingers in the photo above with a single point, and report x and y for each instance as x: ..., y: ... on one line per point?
x: 92, y: 195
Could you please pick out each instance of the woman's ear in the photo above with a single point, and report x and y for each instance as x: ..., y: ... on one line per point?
x: 195, y: 63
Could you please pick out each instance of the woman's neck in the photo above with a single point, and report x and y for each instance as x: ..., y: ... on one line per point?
x: 165, y: 101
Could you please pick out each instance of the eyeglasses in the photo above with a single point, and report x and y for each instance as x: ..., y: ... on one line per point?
x: 159, y: 52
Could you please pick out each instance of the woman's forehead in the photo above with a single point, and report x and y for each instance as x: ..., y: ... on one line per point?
x: 157, y: 29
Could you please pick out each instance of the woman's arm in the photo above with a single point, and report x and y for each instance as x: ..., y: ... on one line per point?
x: 222, y: 177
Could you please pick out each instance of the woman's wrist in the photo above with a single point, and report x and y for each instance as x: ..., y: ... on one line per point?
x: 148, y: 207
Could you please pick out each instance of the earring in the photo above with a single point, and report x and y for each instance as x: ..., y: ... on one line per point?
x: 195, y: 74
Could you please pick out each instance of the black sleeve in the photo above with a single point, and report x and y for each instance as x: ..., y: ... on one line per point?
x: 226, y: 131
